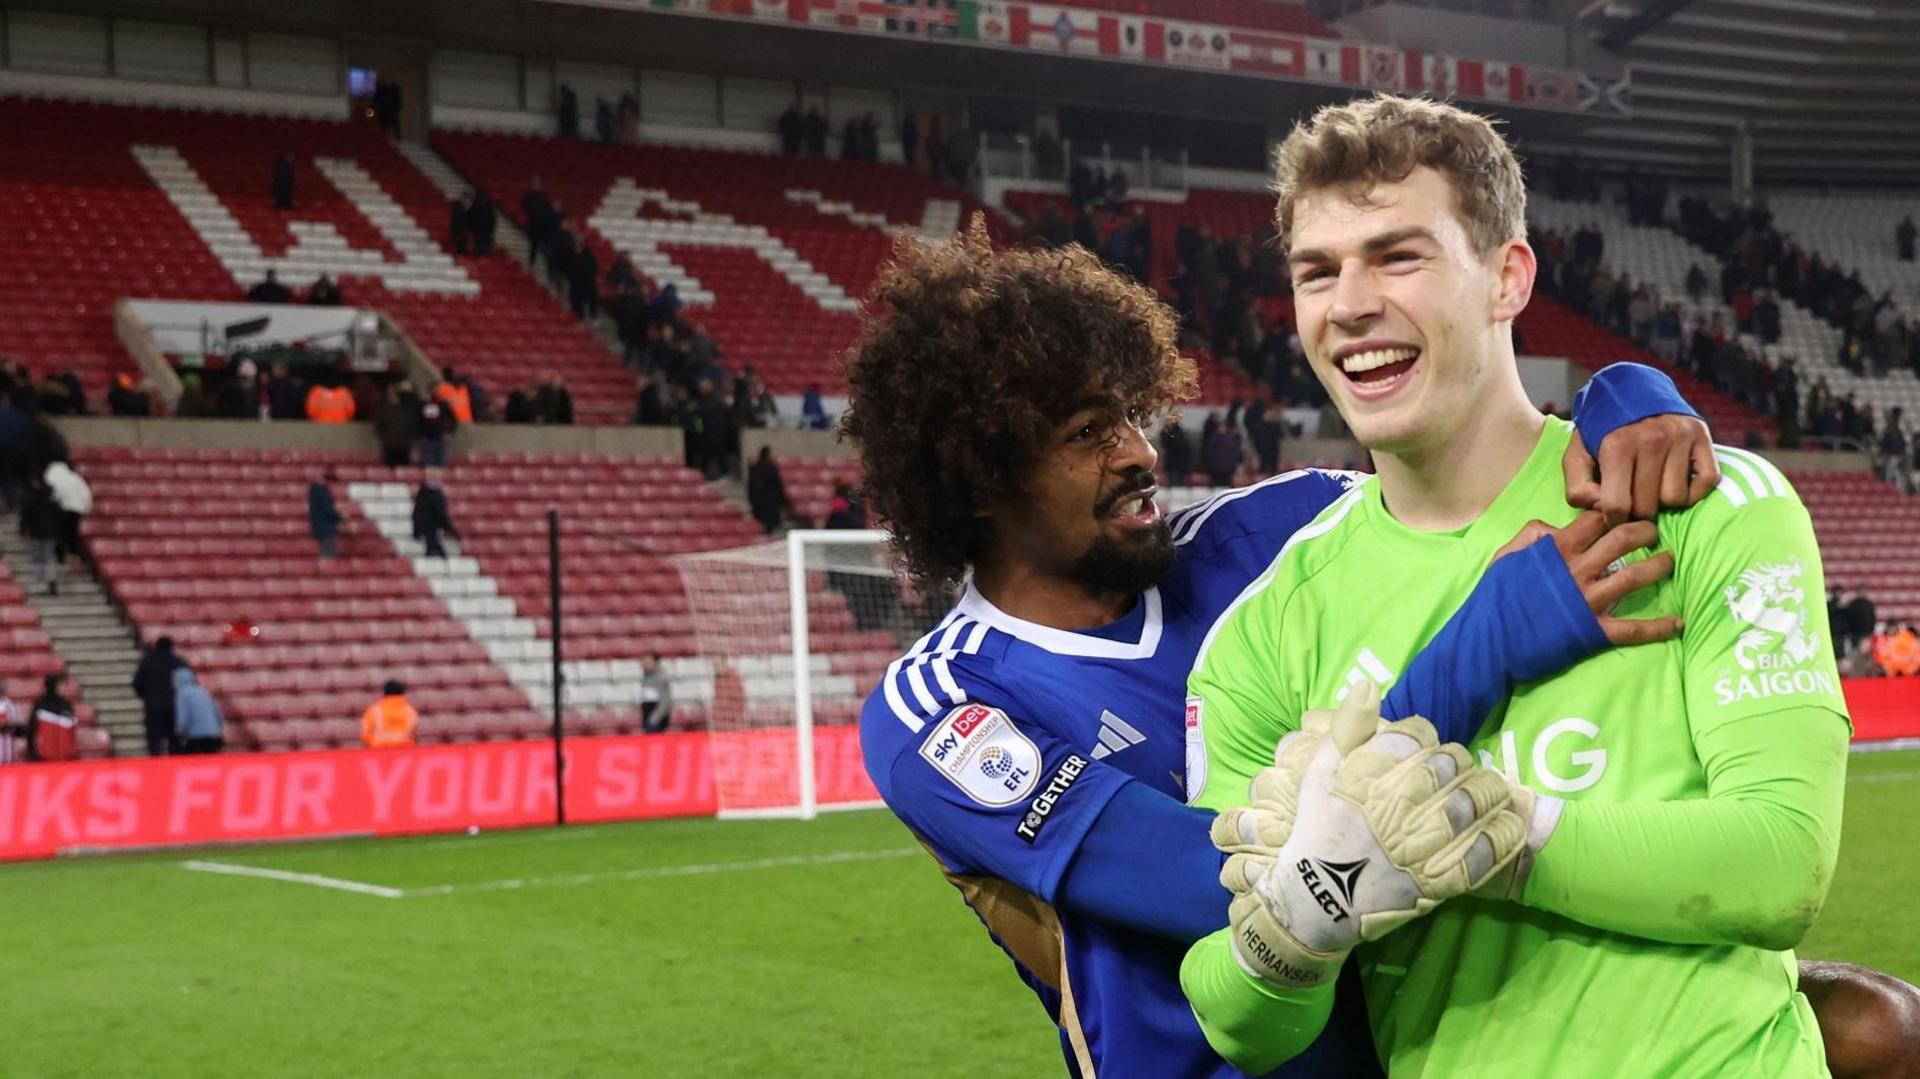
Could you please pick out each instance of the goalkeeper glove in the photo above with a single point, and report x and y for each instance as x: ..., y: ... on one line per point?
x: 1359, y: 827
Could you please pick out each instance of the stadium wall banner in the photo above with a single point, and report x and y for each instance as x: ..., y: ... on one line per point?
x: 80, y: 807
x: 1065, y: 30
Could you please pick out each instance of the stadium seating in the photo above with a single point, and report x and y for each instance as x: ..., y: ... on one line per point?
x: 1855, y: 233
x: 1661, y: 258
x: 295, y: 646
x: 292, y: 645
x: 771, y: 254
x: 82, y: 198
x: 1866, y: 529
x: 623, y: 520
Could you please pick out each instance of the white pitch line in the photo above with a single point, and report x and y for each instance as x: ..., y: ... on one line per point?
x: 314, y: 879
x: 1883, y: 777
x: 832, y: 858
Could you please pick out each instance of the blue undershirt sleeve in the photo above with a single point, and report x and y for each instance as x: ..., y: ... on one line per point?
x: 1524, y: 621
x: 1149, y: 864
x: 1621, y: 394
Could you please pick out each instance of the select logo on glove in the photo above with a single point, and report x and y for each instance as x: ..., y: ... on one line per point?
x: 1342, y: 877
x: 984, y: 754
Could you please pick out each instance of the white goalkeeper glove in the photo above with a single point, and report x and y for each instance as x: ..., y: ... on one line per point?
x: 1359, y: 827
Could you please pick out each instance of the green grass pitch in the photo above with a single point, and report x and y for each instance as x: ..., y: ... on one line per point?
x: 683, y: 948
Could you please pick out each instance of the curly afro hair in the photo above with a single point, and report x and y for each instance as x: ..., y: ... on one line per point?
x: 968, y: 359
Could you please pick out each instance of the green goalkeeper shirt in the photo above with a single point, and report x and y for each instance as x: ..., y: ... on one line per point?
x: 1702, y: 777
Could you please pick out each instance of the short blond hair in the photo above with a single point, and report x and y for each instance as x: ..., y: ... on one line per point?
x: 1382, y: 139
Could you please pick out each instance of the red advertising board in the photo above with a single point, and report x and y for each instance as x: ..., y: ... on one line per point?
x: 50, y: 809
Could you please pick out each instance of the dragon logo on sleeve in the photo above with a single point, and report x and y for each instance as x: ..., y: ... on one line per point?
x: 1770, y: 601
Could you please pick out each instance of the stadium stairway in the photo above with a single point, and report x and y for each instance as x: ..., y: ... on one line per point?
x: 77, y: 632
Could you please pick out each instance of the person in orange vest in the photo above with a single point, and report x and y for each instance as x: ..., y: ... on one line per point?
x: 329, y: 404
x: 389, y: 722
x: 1898, y: 652
x: 456, y: 397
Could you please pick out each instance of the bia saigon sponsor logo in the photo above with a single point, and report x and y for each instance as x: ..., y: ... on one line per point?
x: 1776, y: 646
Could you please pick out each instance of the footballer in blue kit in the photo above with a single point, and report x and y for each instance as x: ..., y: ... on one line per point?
x: 999, y: 408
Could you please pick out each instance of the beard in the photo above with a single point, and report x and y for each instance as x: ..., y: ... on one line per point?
x: 1127, y: 566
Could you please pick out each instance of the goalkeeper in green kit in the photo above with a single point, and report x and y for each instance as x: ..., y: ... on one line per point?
x: 1681, y: 800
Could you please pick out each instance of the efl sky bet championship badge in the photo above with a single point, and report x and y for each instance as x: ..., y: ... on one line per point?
x: 981, y: 751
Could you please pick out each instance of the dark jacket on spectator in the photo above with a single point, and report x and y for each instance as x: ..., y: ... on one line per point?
x: 323, y: 517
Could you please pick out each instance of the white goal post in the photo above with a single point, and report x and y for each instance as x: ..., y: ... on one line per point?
x: 796, y: 633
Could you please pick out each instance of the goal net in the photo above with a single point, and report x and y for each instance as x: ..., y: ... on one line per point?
x: 795, y: 634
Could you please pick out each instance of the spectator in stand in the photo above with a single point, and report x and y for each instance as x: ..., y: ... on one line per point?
x: 605, y: 122
x: 656, y: 695
x: 128, y: 398
x: 386, y: 107
x: 1220, y: 450
x: 583, y: 280
x: 649, y: 410
x: 460, y: 222
x: 270, y: 291
x: 1862, y: 615
x: 198, y: 724
x: 813, y: 128
x: 283, y: 179
x: 909, y: 141
x: 431, y: 516
x: 693, y: 438
x: 538, y: 211
x: 13, y: 725
x: 620, y: 273
x: 1696, y: 283
x: 457, y: 395
x: 1903, y: 238
x: 329, y: 402
x: 40, y: 524
x: 51, y: 720
x: 813, y: 411
x: 845, y: 509
x: 789, y: 129
x: 75, y: 499
x: 323, y: 516
x: 435, y: 423
x: 519, y: 408
x: 567, y: 111
x: 286, y: 395
x: 767, y: 492
x: 482, y: 221
x: 1766, y: 318
x: 390, y: 722
x: 851, y: 140
x: 153, y: 684
x: 552, y: 404
x: 16, y: 430
x: 1176, y: 453
x: 395, y: 427
x: 721, y: 450
x: 1264, y: 428
x: 1894, y: 462
x: 628, y: 309
x: 194, y: 403
x: 666, y: 305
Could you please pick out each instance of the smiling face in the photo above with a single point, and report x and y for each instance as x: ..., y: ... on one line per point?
x: 1402, y: 319
x: 1087, y: 511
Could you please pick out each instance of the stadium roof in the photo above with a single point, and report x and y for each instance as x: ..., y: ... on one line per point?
x: 1829, y: 89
